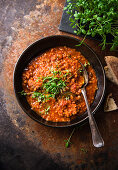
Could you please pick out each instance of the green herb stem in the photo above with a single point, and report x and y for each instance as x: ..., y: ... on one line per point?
x: 68, y: 140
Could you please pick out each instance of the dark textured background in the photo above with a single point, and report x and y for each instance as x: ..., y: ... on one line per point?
x: 24, y: 144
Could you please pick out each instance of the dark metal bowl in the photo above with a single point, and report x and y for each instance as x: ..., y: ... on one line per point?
x: 43, y: 45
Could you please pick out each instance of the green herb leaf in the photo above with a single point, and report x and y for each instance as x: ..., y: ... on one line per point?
x: 67, y: 97
x: 84, y: 150
x: 47, y: 110
x: 23, y: 93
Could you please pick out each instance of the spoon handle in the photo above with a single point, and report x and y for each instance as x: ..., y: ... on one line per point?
x: 96, y: 136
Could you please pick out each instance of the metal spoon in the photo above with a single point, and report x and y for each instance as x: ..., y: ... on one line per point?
x: 96, y: 136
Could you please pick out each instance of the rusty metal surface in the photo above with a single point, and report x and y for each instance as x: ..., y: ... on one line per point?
x: 21, y: 24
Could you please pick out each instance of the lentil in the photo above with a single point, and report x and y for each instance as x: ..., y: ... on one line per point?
x: 59, y: 62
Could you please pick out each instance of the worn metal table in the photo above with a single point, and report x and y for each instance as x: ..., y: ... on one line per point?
x: 25, y: 144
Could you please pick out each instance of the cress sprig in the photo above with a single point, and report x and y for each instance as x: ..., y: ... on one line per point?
x: 95, y: 17
x: 51, y: 86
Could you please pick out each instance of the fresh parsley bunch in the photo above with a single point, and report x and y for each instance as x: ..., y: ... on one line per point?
x: 95, y: 17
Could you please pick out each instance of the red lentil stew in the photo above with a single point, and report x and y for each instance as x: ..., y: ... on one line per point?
x: 52, y: 84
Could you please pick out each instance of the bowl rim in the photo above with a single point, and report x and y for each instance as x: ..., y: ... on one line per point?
x: 60, y: 126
